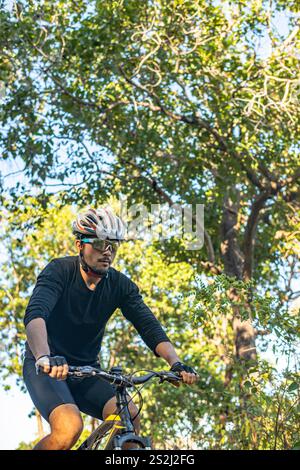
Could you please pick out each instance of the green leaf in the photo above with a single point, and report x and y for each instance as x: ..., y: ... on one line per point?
x: 294, y: 386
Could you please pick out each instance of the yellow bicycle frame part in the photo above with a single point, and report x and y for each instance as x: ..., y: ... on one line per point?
x: 114, y: 418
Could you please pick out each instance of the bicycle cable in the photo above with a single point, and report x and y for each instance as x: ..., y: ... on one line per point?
x: 127, y: 403
x: 138, y: 392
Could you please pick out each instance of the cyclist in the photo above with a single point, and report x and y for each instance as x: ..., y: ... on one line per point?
x: 72, y: 301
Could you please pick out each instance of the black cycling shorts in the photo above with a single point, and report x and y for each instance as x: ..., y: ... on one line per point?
x: 89, y: 394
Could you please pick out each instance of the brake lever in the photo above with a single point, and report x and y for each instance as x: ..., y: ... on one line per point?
x: 168, y: 378
x: 82, y: 371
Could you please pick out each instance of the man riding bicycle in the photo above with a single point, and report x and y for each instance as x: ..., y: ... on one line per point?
x: 65, y: 319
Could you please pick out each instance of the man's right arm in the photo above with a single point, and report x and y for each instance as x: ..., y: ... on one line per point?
x: 56, y: 367
x: 47, y: 291
x: 36, y: 332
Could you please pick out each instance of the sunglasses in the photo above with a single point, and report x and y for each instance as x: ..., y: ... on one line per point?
x: 101, y: 245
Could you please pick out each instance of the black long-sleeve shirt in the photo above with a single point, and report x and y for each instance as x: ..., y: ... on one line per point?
x: 76, y: 316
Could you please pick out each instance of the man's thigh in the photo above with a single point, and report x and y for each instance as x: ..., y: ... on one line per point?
x: 46, y: 393
x: 91, y: 395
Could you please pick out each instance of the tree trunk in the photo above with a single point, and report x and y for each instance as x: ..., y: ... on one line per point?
x: 233, y: 262
x: 244, y: 333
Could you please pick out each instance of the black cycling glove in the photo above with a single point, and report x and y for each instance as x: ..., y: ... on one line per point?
x: 49, y: 360
x: 180, y: 367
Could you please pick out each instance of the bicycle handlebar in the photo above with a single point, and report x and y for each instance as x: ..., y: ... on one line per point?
x: 120, y: 379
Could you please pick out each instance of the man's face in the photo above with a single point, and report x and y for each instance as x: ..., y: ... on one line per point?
x: 99, y: 261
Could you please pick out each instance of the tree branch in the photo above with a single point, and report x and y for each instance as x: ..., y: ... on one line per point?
x: 250, y: 231
x: 165, y: 197
x: 196, y: 121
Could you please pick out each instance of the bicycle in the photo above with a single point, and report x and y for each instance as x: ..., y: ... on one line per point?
x: 116, y: 430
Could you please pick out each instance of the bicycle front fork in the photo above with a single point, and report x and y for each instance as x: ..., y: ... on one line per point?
x: 120, y: 439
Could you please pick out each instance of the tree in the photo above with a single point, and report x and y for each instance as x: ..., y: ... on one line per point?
x: 168, y: 102
x: 197, y: 322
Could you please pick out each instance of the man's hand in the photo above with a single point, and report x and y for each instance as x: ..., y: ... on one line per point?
x: 55, y: 366
x: 188, y: 374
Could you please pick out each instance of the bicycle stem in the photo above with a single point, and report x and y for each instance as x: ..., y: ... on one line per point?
x: 121, y: 399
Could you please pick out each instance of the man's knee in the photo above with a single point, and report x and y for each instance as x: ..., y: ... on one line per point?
x: 111, y: 408
x: 134, y: 416
x: 66, y: 425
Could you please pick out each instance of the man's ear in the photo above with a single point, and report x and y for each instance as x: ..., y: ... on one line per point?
x: 78, y: 244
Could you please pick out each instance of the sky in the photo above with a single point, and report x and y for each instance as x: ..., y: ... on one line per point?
x: 15, y: 405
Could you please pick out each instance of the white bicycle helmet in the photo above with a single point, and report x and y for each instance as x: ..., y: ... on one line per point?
x: 101, y: 223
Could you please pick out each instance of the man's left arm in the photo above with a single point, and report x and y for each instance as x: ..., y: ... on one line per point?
x: 151, y: 331
x: 166, y: 351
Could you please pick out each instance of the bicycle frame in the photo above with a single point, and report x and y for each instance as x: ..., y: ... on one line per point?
x: 119, y: 427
